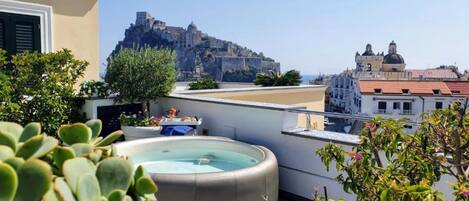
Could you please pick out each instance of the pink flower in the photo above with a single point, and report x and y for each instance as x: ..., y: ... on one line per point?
x: 357, y: 156
x: 465, y: 193
x: 369, y: 126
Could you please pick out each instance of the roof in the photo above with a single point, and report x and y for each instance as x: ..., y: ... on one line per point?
x: 393, y: 58
x: 458, y: 87
x: 395, y: 87
x: 433, y: 73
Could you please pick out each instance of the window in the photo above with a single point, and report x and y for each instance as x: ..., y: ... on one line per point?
x: 19, y: 33
x: 396, y: 105
x: 378, y: 91
x: 368, y: 67
x: 405, y: 91
x: 436, y: 91
x: 408, y: 126
x: 407, y: 108
x: 381, y: 107
x: 455, y: 91
x: 438, y: 105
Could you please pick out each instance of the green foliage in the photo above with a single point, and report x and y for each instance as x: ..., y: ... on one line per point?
x: 41, y: 169
x: 92, y: 88
x: 411, y: 162
x: 141, y: 75
x: 205, y: 83
x: 37, y: 87
x: 290, y: 78
x: 240, y: 75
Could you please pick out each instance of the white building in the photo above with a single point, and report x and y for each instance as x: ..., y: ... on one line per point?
x: 403, y: 98
x: 343, y: 94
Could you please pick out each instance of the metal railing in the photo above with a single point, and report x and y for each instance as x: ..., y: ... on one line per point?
x: 336, y: 121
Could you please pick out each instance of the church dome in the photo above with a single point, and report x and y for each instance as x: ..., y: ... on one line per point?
x: 192, y: 27
x: 393, y: 59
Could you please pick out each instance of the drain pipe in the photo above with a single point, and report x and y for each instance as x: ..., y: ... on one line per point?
x: 423, y: 105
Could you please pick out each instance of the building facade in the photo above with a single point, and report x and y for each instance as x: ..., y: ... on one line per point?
x: 408, y: 99
x: 343, y: 94
x: 61, y: 24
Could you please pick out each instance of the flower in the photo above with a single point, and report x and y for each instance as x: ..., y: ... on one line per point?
x: 465, y: 193
x: 357, y: 156
x: 369, y: 126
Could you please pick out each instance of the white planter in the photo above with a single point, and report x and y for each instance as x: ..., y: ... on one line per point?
x: 135, y: 133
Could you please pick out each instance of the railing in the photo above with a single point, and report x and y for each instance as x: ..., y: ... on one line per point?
x: 406, y: 112
x: 381, y: 111
x: 336, y: 122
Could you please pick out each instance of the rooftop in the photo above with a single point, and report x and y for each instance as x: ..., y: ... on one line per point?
x: 433, y: 73
x: 458, y: 87
x: 415, y: 87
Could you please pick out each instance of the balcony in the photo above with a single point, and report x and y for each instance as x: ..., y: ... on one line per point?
x: 406, y: 112
x: 382, y: 111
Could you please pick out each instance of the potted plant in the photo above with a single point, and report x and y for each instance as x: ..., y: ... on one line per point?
x: 94, y: 89
x: 141, y: 75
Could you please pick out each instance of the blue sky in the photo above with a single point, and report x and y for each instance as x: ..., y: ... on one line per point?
x: 310, y: 35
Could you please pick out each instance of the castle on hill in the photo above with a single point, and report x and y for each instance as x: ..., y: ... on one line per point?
x: 198, y: 54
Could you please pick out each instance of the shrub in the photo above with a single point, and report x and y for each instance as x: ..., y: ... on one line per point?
x: 33, y: 166
x: 290, y: 78
x: 39, y: 87
x: 141, y: 75
x: 205, y: 83
x: 91, y: 88
x: 412, y: 162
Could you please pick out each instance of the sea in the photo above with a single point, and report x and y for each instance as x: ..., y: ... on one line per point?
x: 306, y: 78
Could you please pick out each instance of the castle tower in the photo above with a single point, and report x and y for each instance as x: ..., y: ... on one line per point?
x: 193, y: 35
x: 142, y: 18
x: 368, y: 61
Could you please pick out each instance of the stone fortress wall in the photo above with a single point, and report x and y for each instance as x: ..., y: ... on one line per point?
x: 197, y: 53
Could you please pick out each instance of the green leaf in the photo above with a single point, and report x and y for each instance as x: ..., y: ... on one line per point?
x: 74, y: 168
x: 8, y: 182
x: 14, y: 162
x: 88, y: 188
x: 145, y: 185
x: 62, y: 190
x: 30, y: 147
x: 6, y: 153
x: 61, y: 154
x: 117, y: 195
x: 96, y: 126
x: 114, y: 173
x: 386, y: 195
x: 29, y: 131
x: 48, y: 144
x: 11, y: 128
x: 82, y: 149
x: 139, y: 172
x: 37, y: 146
x: 75, y: 133
x: 110, y: 139
x: 50, y: 195
x: 35, y: 179
x: 8, y: 140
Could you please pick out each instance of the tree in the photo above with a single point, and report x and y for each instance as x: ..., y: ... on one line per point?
x: 141, y: 75
x: 412, y: 162
x: 38, y: 87
x: 290, y: 78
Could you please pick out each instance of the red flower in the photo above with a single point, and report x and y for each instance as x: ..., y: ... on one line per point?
x: 357, y: 156
x: 465, y: 193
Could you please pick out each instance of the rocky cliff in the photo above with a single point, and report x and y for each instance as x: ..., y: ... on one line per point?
x: 197, y: 54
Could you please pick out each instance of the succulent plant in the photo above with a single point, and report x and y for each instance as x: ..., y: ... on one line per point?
x: 78, y: 167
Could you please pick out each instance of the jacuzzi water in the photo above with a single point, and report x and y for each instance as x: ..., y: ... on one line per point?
x: 190, y: 161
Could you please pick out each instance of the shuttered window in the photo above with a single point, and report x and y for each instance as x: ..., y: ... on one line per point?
x: 19, y: 33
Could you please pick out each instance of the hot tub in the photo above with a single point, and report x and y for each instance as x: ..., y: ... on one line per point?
x: 196, y: 168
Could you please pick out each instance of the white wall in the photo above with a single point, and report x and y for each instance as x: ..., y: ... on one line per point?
x: 300, y: 169
x: 419, y: 105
